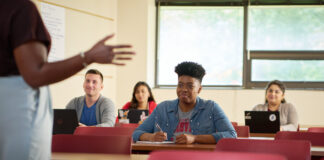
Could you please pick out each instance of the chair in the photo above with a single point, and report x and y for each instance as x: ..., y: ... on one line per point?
x: 242, y: 131
x: 316, y: 129
x: 202, y: 155
x: 234, y: 123
x: 298, y: 128
x: 316, y: 139
x: 131, y: 125
x: 104, y: 131
x: 91, y: 144
x: 291, y: 149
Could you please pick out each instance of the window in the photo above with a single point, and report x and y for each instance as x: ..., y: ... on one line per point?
x: 286, y: 28
x: 243, y: 46
x: 286, y: 43
x: 212, y: 36
x: 288, y: 70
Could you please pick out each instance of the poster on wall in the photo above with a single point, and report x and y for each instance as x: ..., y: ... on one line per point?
x: 54, y: 19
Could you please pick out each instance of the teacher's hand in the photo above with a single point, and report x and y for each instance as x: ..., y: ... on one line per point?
x: 102, y: 53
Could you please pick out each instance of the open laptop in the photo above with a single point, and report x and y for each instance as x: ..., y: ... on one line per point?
x: 132, y: 115
x: 262, y: 121
x: 65, y: 121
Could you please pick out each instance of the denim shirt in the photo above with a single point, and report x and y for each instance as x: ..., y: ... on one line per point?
x: 207, y: 118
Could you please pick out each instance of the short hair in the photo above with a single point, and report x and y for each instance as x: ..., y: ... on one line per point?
x: 95, y: 71
x: 280, y: 85
x: 191, y: 69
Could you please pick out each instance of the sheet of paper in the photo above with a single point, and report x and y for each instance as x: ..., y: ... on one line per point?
x: 317, y: 148
x: 54, y: 20
x: 263, y: 138
x: 149, y: 142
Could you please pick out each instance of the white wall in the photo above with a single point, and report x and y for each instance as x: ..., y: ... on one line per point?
x: 134, y: 26
x: 84, y: 27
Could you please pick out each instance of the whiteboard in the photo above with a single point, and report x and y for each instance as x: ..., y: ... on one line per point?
x: 54, y: 20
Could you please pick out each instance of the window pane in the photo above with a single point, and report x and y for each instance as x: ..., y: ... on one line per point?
x: 288, y: 70
x: 211, y: 36
x: 286, y: 28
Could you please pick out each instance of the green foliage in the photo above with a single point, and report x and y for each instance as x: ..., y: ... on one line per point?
x: 213, y: 36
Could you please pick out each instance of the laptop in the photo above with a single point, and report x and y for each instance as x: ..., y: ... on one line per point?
x: 65, y: 121
x: 132, y: 115
x: 262, y: 121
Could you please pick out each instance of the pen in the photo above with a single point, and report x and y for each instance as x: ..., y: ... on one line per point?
x: 157, y: 126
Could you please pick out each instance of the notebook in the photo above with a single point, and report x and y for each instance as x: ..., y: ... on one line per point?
x: 132, y: 115
x: 262, y: 121
x: 65, y: 121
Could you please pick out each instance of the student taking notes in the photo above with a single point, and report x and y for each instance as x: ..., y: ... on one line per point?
x: 187, y: 119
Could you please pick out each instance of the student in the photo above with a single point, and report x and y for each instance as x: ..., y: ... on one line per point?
x: 187, y: 119
x: 25, y: 103
x: 142, y: 98
x: 275, y: 101
x: 93, y: 109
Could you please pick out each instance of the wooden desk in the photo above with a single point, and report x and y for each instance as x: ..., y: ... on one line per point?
x: 147, y: 148
x: 92, y: 156
x: 317, y: 151
x: 262, y: 134
x: 304, y: 128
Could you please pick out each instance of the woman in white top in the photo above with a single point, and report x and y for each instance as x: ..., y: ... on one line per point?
x: 275, y: 101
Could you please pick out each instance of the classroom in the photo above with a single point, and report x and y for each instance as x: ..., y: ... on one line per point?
x: 135, y: 22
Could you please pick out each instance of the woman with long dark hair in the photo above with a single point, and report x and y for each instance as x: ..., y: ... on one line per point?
x: 142, y: 98
x: 275, y: 101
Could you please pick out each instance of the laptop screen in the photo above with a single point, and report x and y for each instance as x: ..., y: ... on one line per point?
x: 262, y: 121
x: 132, y: 115
x: 65, y: 121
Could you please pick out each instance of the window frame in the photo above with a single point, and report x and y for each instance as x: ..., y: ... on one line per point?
x: 248, y: 55
x: 283, y: 55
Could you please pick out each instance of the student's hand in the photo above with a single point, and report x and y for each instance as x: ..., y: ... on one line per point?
x: 102, y: 53
x: 82, y: 125
x: 158, y: 137
x: 185, y: 139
